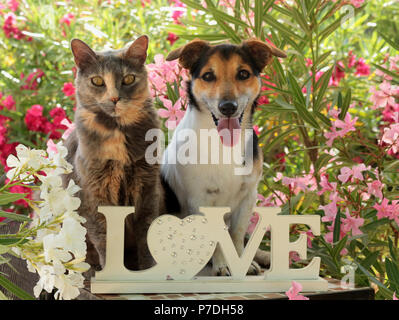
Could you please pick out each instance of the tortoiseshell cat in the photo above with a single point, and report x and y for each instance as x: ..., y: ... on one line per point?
x: 114, y: 112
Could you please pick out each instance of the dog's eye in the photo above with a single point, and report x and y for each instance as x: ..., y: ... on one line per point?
x: 97, y: 81
x: 129, y: 79
x: 243, y: 75
x: 208, y: 76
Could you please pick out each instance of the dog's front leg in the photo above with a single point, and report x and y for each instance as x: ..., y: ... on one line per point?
x: 240, y: 218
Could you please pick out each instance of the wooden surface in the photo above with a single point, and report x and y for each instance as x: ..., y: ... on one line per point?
x: 22, y: 278
x: 334, y: 292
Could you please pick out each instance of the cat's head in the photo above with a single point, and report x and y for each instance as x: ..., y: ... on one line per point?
x: 113, y: 81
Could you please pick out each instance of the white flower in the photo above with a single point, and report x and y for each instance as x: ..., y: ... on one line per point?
x: 57, y: 201
x: 50, y: 181
x: 68, y: 285
x: 72, y: 237
x: 25, y: 159
x: 53, y: 252
x: 58, y: 157
x: 46, y: 281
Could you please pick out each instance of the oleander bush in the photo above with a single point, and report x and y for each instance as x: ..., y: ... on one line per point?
x: 327, y: 118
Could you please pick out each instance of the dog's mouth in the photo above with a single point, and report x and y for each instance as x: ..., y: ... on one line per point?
x: 229, y: 129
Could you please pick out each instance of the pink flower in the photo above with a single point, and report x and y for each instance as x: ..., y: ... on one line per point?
x: 172, y: 38
x: 70, y: 127
x: 68, y: 89
x: 330, y: 211
x: 345, y: 174
x: 32, y: 80
x: 256, y: 129
x: 292, y: 292
x: 13, y: 5
x: 337, y: 75
x: 394, y: 296
x: 383, y: 209
x: 9, y: 102
x: 51, y: 147
x: 350, y: 223
x: 375, y: 188
x: 173, y: 113
x: 357, y: 3
x: 67, y: 18
x: 253, y: 222
x: 362, y: 69
x: 347, y: 125
x: 10, y: 27
x: 325, y: 185
x: 357, y: 171
x: 34, y: 119
x: 351, y: 59
x: 383, y: 96
x: 391, y: 137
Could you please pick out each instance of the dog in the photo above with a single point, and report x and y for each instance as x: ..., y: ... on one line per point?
x: 223, y: 89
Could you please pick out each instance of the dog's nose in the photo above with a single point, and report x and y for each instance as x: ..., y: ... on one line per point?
x: 228, y: 108
x: 115, y: 99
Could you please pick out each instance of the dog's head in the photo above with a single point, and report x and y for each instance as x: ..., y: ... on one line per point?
x: 225, y: 78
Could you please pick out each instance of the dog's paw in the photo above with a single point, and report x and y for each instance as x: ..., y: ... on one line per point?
x: 221, y: 270
x: 254, y: 269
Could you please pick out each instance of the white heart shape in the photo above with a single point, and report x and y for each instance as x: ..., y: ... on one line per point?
x: 181, y: 246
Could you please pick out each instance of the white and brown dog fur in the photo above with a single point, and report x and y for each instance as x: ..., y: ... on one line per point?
x: 223, y: 87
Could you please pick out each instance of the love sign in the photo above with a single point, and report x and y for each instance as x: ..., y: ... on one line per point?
x: 183, y: 247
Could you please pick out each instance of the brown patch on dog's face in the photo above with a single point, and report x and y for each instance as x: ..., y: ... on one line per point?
x: 223, y: 79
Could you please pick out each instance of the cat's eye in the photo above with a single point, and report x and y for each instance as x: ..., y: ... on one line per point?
x: 243, y: 75
x: 129, y: 79
x: 97, y: 81
x: 208, y: 76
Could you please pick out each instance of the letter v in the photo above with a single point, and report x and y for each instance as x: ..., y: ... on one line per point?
x: 239, y: 265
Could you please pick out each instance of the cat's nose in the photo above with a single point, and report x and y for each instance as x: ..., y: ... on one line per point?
x: 115, y: 99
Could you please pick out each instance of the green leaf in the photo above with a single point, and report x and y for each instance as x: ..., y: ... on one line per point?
x: 370, y: 259
x: 392, y: 273
x: 372, y: 278
x: 14, y: 216
x: 6, y: 197
x: 4, y: 249
x: 207, y: 37
x: 323, y: 83
x: 8, y: 285
x: 194, y: 5
x: 280, y: 27
x: 337, y: 227
x: 270, y: 146
x: 11, y: 241
x: 258, y: 17
x: 2, y: 296
x: 392, y: 250
x: 345, y: 104
x: 388, y: 72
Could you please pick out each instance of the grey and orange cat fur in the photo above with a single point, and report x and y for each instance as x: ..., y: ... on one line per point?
x: 114, y: 112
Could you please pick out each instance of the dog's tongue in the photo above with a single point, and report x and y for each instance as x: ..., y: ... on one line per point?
x: 229, y: 130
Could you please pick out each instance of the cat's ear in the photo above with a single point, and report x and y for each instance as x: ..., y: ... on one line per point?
x: 189, y: 54
x: 138, y: 50
x: 82, y: 53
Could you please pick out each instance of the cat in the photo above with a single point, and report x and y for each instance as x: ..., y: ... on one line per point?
x: 107, y: 148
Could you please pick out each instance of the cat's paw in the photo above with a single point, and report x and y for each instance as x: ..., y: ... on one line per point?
x: 221, y: 270
x: 254, y: 269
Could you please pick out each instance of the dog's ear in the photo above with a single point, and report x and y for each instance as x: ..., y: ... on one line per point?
x: 189, y: 54
x: 138, y: 50
x: 262, y: 52
x: 82, y: 53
